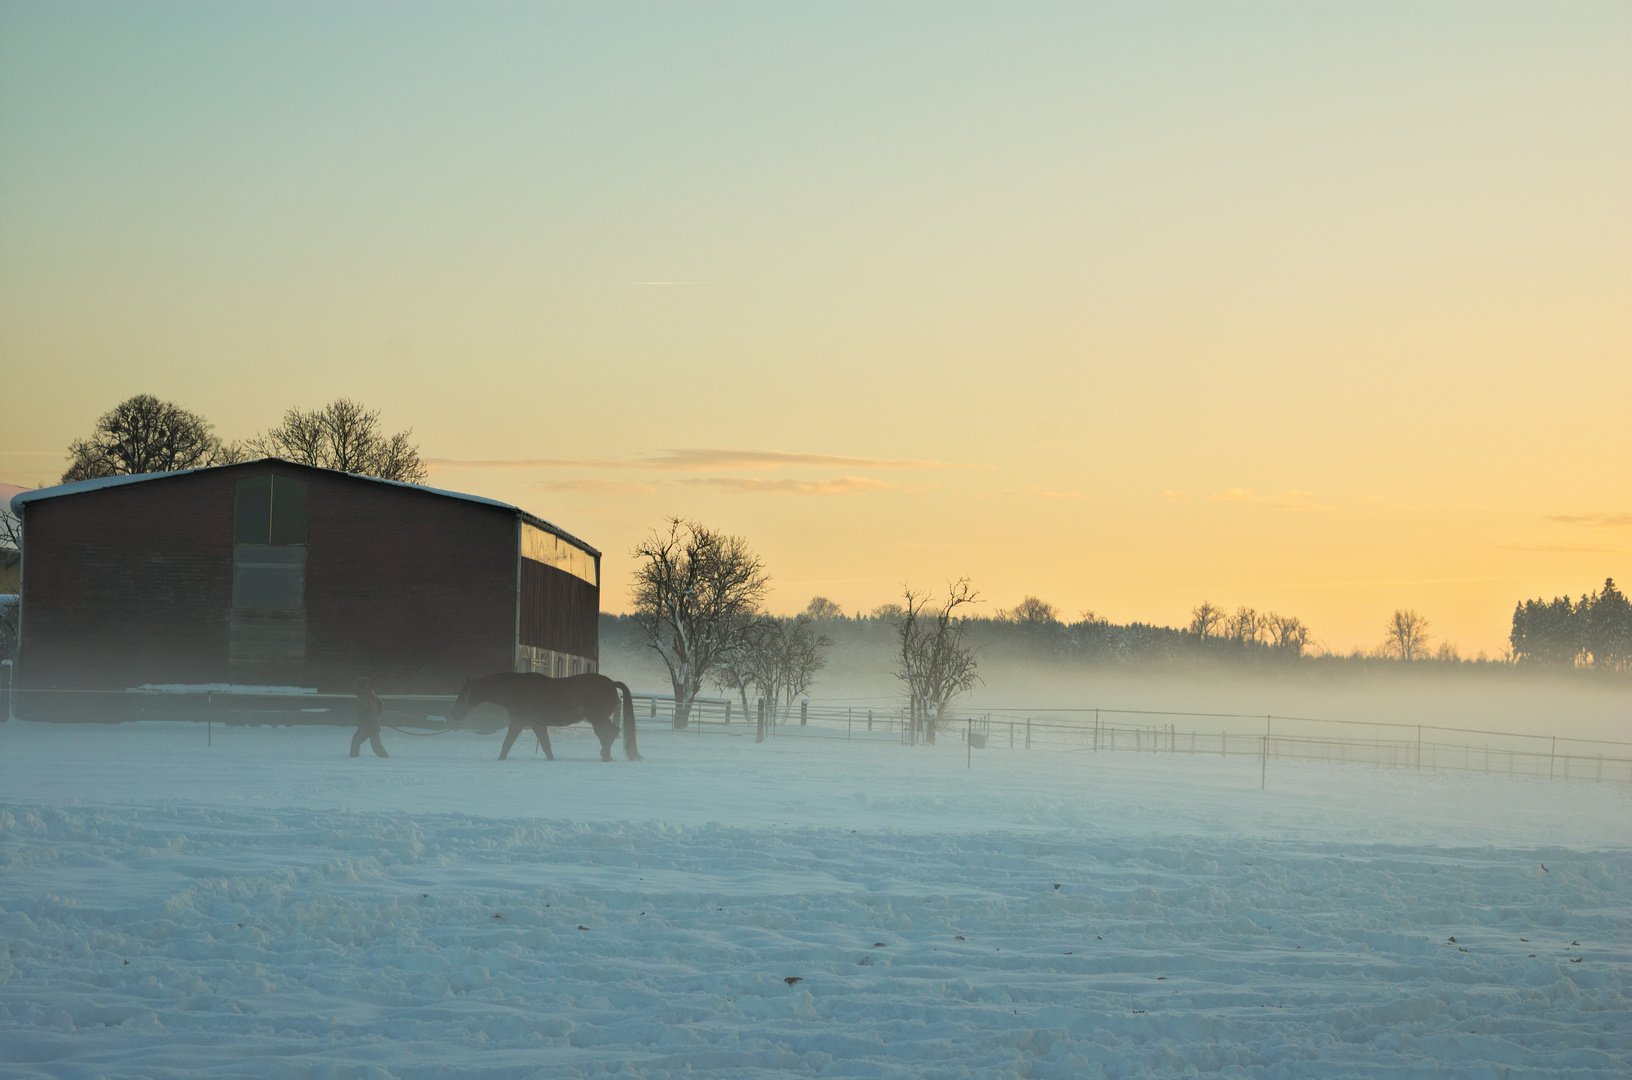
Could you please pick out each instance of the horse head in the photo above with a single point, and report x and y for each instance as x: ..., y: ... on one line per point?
x: 462, y: 703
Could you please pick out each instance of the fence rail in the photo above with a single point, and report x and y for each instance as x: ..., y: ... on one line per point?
x: 1264, y: 738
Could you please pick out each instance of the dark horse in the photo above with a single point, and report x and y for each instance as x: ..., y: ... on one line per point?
x: 540, y: 702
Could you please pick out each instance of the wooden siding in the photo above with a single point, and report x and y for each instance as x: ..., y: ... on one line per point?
x: 133, y: 584
x: 559, y: 611
x: 411, y: 589
x: 128, y: 585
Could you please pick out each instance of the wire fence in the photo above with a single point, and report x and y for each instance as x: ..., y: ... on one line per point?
x: 1264, y: 738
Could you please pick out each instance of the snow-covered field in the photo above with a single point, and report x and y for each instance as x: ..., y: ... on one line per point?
x: 267, y: 906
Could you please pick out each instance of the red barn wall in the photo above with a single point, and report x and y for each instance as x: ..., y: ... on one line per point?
x: 414, y: 590
x: 128, y: 585
x: 133, y: 584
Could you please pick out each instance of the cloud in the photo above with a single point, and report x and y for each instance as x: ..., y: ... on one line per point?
x: 1234, y: 495
x: 1286, y: 500
x: 698, y: 458
x: 593, y: 486
x: 754, y: 485
x: 456, y: 464
x: 1598, y: 520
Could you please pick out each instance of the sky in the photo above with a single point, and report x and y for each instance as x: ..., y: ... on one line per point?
x: 1319, y: 308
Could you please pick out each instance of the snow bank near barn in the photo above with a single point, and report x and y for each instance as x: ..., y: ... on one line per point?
x: 266, y: 905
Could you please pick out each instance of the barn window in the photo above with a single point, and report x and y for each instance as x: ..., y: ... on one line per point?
x: 271, y: 510
x: 269, y: 555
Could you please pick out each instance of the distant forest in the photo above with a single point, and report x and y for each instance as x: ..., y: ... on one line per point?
x: 1594, y: 632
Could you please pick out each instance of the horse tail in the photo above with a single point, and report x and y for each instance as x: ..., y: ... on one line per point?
x: 630, y: 750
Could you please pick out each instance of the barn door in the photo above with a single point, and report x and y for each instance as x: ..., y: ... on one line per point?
x: 267, y: 623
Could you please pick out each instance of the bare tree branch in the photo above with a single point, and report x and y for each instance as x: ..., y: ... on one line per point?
x: 143, y: 435
x: 342, y: 435
x: 696, y: 593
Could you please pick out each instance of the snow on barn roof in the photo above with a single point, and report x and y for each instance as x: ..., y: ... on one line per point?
x: 81, y: 487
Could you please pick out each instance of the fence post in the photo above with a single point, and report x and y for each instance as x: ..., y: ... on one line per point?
x: 969, y: 744
x: 654, y: 708
x: 804, y: 714
x: 1096, y: 731
x: 869, y: 719
x: 1011, y: 736
x: 1263, y: 777
x: 849, y: 718
x: 1552, y: 757
x: 727, y: 710
x: 1028, y: 733
x: 759, y: 732
x: 1419, y: 746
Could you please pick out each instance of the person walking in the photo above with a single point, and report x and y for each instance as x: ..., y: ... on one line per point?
x: 368, y: 718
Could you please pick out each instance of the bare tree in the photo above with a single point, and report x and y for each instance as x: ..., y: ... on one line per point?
x: 1033, y: 612
x: 887, y: 612
x: 11, y: 528
x: 798, y: 657
x: 144, y: 435
x: 738, y: 667
x: 934, y: 662
x: 343, y: 435
x: 1244, y: 626
x: 1287, y: 633
x: 1205, y: 620
x: 820, y: 607
x: 1406, y: 636
x: 778, y: 657
x: 696, y: 593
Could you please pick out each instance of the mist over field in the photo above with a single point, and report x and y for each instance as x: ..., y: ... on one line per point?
x: 1018, y: 674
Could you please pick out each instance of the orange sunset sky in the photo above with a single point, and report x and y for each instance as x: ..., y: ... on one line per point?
x: 1318, y: 308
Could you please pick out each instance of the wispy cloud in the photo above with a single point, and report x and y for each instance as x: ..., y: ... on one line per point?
x: 707, y: 459
x: 1286, y: 500
x: 727, y: 460
x: 1598, y: 520
x: 595, y: 486
x: 459, y: 464
x: 754, y: 485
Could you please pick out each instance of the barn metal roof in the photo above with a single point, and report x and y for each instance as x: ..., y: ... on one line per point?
x: 82, y: 487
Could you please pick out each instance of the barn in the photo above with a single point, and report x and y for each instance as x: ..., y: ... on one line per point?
x: 269, y: 573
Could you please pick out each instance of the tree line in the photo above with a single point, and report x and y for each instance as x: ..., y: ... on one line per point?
x: 1594, y: 631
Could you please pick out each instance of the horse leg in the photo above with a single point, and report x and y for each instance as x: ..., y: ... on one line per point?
x: 543, y: 733
x: 607, y: 732
x: 509, y: 740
